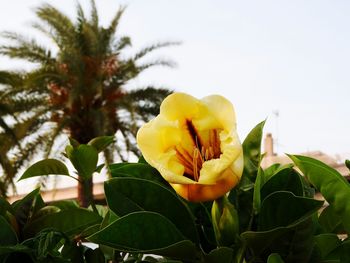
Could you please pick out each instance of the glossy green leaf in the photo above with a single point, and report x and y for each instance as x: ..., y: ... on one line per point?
x: 5, y: 206
x: 8, y: 236
x: 38, y: 204
x: 101, y: 143
x: 46, y: 243
x: 44, y: 211
x: 139, y: 170
x: 126, y: 195
x: 295, y: 240
x: 242, y: 195
x: 146, y: 232
x: 345, y: 252
x: 286, y: 179
x: 222, y: 255
x: 142, y: 160
x: 284, y: 223
x: 84, y: 159
x: 330, y: 221
x: 271, y: 170
x: 333, y: 186
x: 257, y: 193
x: 202, y: 213
x: 275, y: 258
x: 22, y: 208
x: 326, y: 243
x: 252, y: 151
x: 70, y: 221
x: 74, y: 143
x: 65, y: 204
x: 282, y: 208
x: 28, y: 198
x: 16, y: 248
x: 45, y: 167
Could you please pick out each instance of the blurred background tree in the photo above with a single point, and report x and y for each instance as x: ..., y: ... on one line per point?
x: 16, y: 123
x: 77, y: 86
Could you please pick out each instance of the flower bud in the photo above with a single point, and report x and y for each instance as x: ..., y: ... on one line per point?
x: 225, y: 222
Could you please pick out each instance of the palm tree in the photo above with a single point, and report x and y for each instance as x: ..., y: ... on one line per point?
x: 78, y: 85
x: 16, y: 123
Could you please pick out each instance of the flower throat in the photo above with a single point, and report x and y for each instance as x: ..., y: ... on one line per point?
x: 202, y: 150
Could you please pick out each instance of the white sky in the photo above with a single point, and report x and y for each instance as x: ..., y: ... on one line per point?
x: 290, y: 56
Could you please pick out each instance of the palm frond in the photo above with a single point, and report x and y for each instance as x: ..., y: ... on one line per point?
x: 59, y: 23
x: 94, y: 15
x: 25, y: 49
x: 158, y: 62
x: 121, y: 43
x: 111, y: 30
x: 144, y: 51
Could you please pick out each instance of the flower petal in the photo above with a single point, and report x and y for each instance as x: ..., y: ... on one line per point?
x: 223, y: 111
x: 202, y: 193
x: 156, y: 140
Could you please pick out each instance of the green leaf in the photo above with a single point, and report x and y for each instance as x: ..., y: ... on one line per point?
x: 326, y: 243
x: 8, y: 236
x: 47, y: 243
x: 138, y: 170
x: 70, y: 221
x: 252, y: 151
x: 330, y: 221
x: 142, y: 160
x: 65, y: 204
x: 284, y: 226
x: 126, y: 195
x: 259, y: 182
x: 16, y: 248
x: 5, y: 206
x: 282, y: 208
x: 345, y: 252
x: 275, y: 258
x: 22, y: 208
x: 332, y: 185
x: 101, y: 143
x: 145, y: 232
x: 45, y: 167
x: 84, y: 159
x: 74, y: 143
x: 202, y: 213
x: 222, y: 255
x: 276, y: 168
x: 295, y: 240
x: 286, y: 179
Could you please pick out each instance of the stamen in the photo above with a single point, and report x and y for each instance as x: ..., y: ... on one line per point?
x: 211, y: 153
x: 206, y: 157
x: 202, y: 151
x: 195, y: 164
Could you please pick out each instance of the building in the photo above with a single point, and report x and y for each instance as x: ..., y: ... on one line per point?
x: 271, y: 157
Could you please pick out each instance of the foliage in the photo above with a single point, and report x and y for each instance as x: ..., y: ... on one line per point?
x: 277, y: 218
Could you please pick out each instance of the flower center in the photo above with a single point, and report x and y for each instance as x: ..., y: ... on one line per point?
x: 205, y: 146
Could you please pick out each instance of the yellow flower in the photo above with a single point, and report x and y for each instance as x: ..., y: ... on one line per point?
x: 194, y: 145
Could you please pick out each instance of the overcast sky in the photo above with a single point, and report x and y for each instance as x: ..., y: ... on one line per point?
x: 265, y: 56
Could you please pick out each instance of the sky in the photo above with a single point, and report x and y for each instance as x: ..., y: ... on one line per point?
x: 290, y: 57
